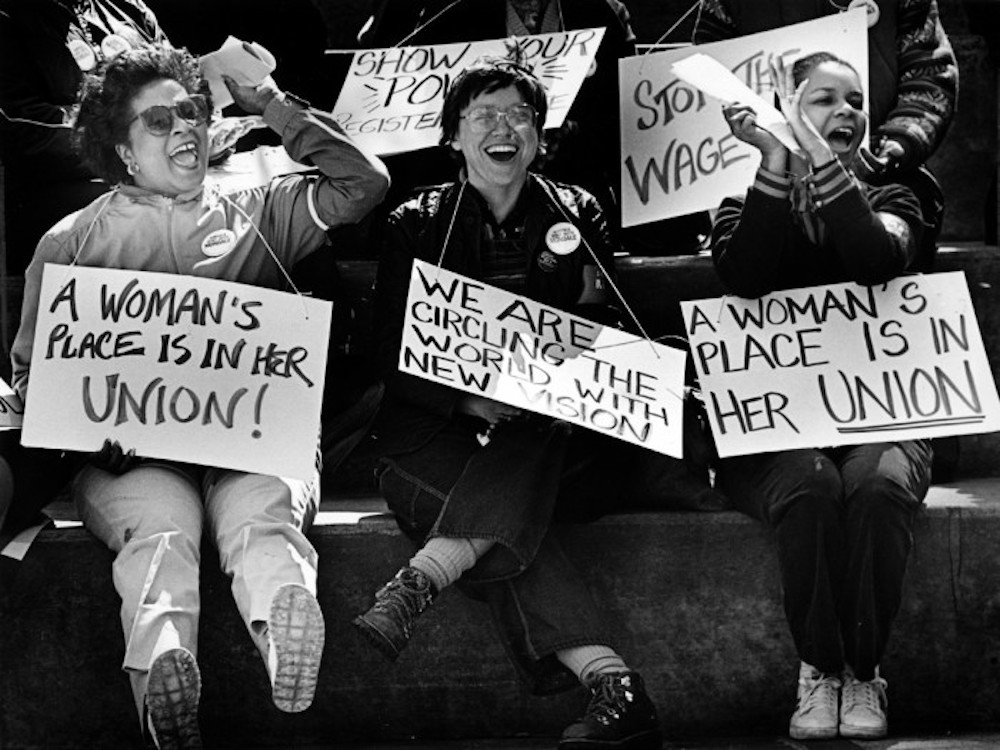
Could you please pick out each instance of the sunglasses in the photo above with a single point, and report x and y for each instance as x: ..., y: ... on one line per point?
x: 485, y: 119
x: 159, y: 119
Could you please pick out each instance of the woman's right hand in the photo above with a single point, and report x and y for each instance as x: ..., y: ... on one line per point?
x: 742, y: 121
x: 112, y: 458
x: 251, y: 99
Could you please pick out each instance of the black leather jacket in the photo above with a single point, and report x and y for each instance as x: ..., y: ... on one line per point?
x: 415, y: 409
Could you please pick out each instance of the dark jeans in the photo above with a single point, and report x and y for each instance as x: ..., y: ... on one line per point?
x: 843, y: 519
x: 508, y: 491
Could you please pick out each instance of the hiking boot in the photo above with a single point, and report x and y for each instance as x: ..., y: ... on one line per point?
x: 619, y: 715
x: 862, y: 707
x: 172, y: 696
x: 297, y: 632
x: 815, y: 716
x: 389, y: 623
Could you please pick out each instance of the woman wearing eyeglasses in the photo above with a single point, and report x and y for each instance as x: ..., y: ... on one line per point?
x: 143, y: 125
x: 478, y: 483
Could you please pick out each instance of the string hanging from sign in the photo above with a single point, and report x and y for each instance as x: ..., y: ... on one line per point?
x: 427, y: 23
x: 677, y: 23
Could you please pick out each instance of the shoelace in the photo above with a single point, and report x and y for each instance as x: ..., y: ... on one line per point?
x: 609, y: 699
x: 868, y: 695
x: 401, y: 603
x: 820, y: 692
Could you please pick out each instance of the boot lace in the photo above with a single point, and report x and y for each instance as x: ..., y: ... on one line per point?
x: 401, y: 601
x: 611, y: 694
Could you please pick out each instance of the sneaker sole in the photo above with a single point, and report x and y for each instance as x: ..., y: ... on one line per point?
x: 376, y: 638
x: 862, y: 733
x: 648, y: 740
x: 298, y: 632
x: 172, y: 697
x: 813, y: 734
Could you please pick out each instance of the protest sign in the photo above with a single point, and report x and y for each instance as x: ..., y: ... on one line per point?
x: 177, y: 367
x: 11, y: 408
x: 842, y: 365
x: 391, y: 99
x: 505, y: 347
x: 677, y: 153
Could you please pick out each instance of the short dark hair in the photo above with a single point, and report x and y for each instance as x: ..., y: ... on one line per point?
x: 804, y: 65
x: 483, y: 77
x: 106, y: 98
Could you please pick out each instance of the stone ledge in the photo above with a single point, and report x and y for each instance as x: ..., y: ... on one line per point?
x: 695, y: 598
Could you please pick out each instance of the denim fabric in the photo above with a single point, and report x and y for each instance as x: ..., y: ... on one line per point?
x: 507, y: 492
x: 843, y: 519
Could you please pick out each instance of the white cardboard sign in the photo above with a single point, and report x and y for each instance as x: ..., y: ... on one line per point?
x: 677, y: 154
x: 391, y: 99
x: 490, y: 342
x: 177, y: 367
x: 843, y: 365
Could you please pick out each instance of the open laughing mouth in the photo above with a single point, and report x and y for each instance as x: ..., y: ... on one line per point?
x: 185, y: 155
x: 501, y: 152
x: 841, y: 138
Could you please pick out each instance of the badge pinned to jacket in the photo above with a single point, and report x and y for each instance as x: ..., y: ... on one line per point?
x: 563, y: 238
x: 218, y: 243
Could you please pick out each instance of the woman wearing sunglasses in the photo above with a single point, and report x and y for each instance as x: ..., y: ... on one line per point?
x: 477, y: 482
x: 143, y: 125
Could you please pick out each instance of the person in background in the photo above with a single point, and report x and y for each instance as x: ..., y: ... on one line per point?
x: 843, y: 515
x: 46, y: 46
x: 143, y: 127
x: 480, y: 485
x: 913, y: 86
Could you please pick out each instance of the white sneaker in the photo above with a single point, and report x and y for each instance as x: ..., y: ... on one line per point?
x: 815, y: 716
x: 862, y: 707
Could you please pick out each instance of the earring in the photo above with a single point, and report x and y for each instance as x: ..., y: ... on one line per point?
x: 132, y: 168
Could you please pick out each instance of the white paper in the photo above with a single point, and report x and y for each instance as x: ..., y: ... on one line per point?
x: 247, y: 63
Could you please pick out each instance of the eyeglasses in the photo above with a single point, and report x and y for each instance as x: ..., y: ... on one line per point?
x: 159, y: 119
x: 485, y: 119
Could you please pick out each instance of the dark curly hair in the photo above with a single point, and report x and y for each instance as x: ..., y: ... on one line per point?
x: 106, y: 101
x: 804, y: 65
x: 486, y: 76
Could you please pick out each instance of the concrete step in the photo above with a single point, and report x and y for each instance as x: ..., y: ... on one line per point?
x: 695, y: 598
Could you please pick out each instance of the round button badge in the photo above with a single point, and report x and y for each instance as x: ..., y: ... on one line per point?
x: 562, y: 238
x: 113, y: 45
x: 870, y: 6
x: 83, y: 53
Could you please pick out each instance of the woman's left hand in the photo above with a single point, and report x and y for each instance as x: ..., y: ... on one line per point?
x: 813, y: 144
x: 252, y: 99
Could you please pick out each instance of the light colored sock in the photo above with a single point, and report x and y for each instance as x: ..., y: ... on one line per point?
x: 587, y: 661
x: 444, y: 559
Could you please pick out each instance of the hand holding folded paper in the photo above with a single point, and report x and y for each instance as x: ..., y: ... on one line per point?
x: 248, y: 63
x: 709, y: 75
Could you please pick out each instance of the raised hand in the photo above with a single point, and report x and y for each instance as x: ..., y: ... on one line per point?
x: 815, y: 147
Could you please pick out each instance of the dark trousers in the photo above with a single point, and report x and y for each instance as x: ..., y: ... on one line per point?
x: 843, y: 520
x: 509, y: 491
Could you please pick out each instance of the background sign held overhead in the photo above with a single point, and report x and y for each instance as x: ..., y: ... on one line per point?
x: 677, y: 154
x: 392, y: 98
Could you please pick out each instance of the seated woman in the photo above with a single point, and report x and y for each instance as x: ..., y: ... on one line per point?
x: 143, y: 125
x: 843, y: 514
x: 477, y: 482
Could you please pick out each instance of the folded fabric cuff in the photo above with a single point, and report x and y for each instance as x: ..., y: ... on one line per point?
x: 774, y: 185
x: 829, y: 182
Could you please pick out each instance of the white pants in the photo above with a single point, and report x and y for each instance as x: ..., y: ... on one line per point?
x: 152, y: 518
